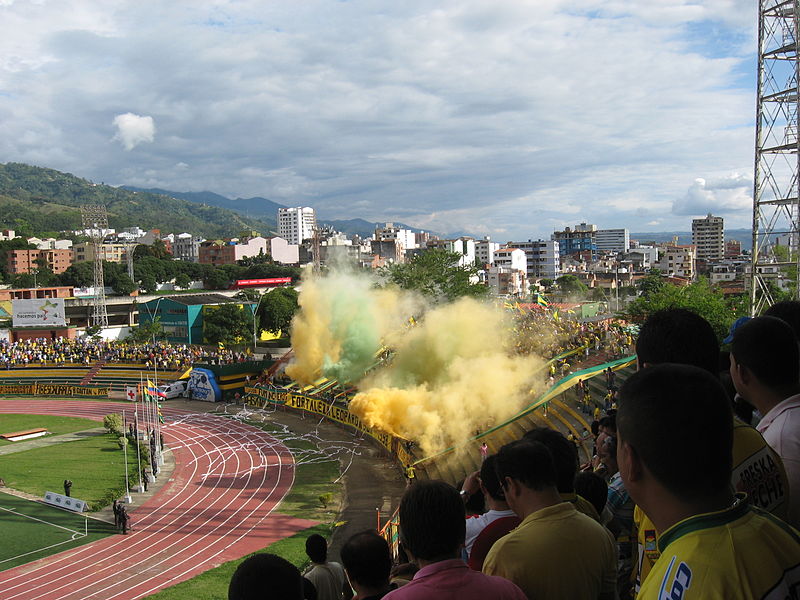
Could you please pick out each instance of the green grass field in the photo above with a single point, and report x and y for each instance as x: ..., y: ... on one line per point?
x: 55, y: 425
x: 31, y: 530
x: 95, y: 465
x: 311, y: 480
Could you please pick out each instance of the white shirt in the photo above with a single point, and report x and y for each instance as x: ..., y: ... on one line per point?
x: 781, y: 430
x: 328, y: 579
x: 478, y: 523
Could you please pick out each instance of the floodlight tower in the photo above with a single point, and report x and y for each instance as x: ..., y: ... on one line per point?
x: 95, y: 222
x: 776, y: 210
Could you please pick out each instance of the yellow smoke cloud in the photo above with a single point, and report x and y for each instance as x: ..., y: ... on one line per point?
x: 457, y: 370
x: 452, y: 375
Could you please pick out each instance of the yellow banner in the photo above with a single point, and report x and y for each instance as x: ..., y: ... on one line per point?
x: 326, y: 409
x: 53, y: 389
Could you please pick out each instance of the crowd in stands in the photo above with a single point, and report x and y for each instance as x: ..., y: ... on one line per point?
x: 688, y: 496
x: 86, y: 351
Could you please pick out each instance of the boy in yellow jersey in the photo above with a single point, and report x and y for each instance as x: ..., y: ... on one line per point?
x: 681, y: 336
x: 714, y: 544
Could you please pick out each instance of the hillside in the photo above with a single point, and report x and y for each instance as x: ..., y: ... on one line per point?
x: 35, y: 199
x: 257, y: 207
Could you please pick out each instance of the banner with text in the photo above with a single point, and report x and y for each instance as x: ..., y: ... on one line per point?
x: 40, y: 312
x: 52, y: 389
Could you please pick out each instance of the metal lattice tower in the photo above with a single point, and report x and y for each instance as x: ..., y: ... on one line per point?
x: 776, y: 210
x: 95, y: 222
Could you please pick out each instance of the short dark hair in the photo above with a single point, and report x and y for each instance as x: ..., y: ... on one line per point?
x: 592, y: 487
x: 367, y: 559
x: 528, y: 462
x: 678, y: 335
x: 768, y: 348
x: 317, y: 548
x: 432, y: 520
x: 564, y: 453
x: 609, y: 422
x: 789, y: 311
x: 692, y: 457
x: 266, y: 576
x: 489, y: 478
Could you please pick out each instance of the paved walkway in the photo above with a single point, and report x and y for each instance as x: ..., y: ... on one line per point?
x: 50, y: 440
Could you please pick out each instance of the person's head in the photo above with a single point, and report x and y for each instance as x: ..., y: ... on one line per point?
x: 489, y: 481
x: 677, y: 335
x: 432, y: 521
x: 524, y: 467
x: 764, y: 349
x: 367, y: 560
x: 675, y: 427
x: 592, y: 487
x: 317, y: 548
x: 607, y: 451
x: 788, y: 311
x: 564, y: 453
x: 266, y: 577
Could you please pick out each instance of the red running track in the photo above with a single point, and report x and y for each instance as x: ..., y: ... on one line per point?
x: 217, y: 506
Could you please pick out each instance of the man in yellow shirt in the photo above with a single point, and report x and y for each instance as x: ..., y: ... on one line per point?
x: 713, y: 544
x: 556, y: 552
x: 681, y: 336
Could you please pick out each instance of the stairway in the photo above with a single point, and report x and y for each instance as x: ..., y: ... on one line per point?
x: 96, y: 368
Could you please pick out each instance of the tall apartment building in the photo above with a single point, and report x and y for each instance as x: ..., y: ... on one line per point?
x: 678, y: 261
x: 116, y: 253
x: 511, y: 258
x: 186, y: 246
x: 296, y: 224
x: 405, y: 238
x: 544, y: 258
x: 25, y: 261
x: 708, y: 236
x: 485, y: 249
x: 613, y: 240
x: 582, y: 237
x: 733, y: 248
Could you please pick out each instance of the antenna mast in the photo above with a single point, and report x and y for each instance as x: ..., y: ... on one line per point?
x: 95, y: 222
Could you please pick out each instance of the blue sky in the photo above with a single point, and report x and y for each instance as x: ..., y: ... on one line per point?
x: 501, y: 118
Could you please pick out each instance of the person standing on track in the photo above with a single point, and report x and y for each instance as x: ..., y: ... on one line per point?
x: 67, y: 487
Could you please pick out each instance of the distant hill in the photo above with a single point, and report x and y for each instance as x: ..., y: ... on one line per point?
x: 256, y: 207
x: 267, y: 210
x: 35, y: 199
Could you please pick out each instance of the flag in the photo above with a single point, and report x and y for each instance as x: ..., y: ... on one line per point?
x: 130, y: 392
x: 160, y: 416
x: 540, y: 300
x: 152, y: 390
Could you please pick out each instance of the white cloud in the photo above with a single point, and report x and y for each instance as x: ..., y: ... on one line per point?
x: 133, y: 130
x: 725, y: 195
x: 525, y: 116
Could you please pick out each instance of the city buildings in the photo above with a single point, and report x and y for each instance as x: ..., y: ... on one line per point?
x: 405, y: 238
x: 678, y: 261
x: 582, y: 237
x: 613, y: 240
x: 29, y: 261
x: 227, y: 252
x: 485, y: 249
x: 296, y: 224
x: 543, y: 258
x: 186, y: 246
x: 110, y: 252
x: 708, y: 236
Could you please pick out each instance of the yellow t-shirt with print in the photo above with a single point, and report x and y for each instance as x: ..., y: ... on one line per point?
x: 738, y: 553
x: 758, y: 471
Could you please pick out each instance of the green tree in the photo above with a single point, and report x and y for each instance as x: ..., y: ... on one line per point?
x: 652, y: 283
x: 277, y: 309
x: 436, y: 274
x: 113, y: 423
x: 698, y: 297
x: 570, y: 285
x: 149, y: 331
x: 229, y: 324
x: 547, y: 284
x: 182, y: 280
x: 78, y: 274
x: 123, y: 285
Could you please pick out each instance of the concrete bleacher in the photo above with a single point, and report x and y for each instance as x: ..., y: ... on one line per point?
x: 113, y: 375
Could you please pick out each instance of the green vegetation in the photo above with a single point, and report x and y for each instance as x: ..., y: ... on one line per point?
x: 312, y: 481
x: 34, y: 199
x: 55, y: 425
x: 228, y: 324
x: 95, y: 465
x: 699, y: 297
x: 436, y: 274
x: 31, y: 529
x: 277, y: 309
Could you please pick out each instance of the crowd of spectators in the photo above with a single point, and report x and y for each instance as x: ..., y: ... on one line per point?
x: 683, y: 499
x: 86, y: 351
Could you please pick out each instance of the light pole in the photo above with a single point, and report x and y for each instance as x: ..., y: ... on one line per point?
x: 255, y: 313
